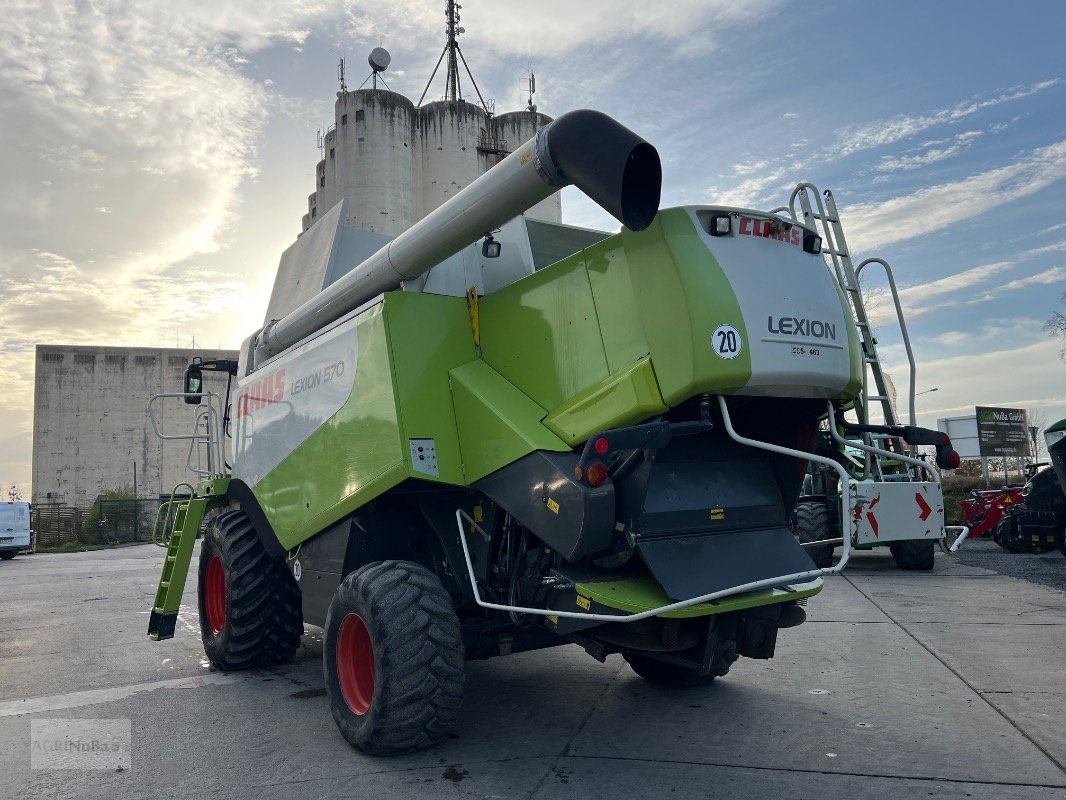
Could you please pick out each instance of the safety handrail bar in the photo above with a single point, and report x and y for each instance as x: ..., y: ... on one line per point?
x: 900, y: 319
x: 195, y: 446
x: 766, y: 583
x: 214, y: 440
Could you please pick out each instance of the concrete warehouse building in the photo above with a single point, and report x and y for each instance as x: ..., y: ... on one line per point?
x: 90, y: 430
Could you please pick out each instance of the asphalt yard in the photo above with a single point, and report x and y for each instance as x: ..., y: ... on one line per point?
x: 904, y: 685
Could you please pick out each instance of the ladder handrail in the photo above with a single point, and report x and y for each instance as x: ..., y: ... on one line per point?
x: 902, y: 323
x: 825, y: 218
x: 157, y: 541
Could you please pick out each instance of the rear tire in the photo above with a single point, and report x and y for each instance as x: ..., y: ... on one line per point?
x: 250, y: 614
x: 8, y: 555
x: 393, y: 658
x: 662, y: 672
x: 913, y: 554
x: 812, y: 525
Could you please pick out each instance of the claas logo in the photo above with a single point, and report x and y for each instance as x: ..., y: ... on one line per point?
x: 264, y: 392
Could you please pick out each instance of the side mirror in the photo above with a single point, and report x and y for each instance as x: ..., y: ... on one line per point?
x: 194, y: 385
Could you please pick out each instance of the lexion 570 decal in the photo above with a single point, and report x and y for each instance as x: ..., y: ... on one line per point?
x: 277, y: 411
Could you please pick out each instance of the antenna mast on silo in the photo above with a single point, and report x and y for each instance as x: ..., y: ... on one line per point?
x: 531, y: 107
x: 453, y: 92
x: 379, y: 61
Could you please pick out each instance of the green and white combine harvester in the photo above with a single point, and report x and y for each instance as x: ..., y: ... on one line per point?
x: 492, y: 435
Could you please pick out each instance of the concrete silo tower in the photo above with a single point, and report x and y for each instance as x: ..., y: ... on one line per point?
x: 394, y: 162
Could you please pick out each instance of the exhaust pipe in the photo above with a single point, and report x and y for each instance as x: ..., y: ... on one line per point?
x: 608, y: 162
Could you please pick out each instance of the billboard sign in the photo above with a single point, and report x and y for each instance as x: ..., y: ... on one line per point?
x: 1002, y: 431
x: 963, y: 433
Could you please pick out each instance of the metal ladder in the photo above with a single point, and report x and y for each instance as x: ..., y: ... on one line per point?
x: 186, y: 525
x: 824, y: 218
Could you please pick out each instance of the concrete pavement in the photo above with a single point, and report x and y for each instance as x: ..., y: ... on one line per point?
x: 946, y: 684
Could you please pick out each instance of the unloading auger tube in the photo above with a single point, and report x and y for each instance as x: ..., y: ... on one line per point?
x: 608, y: 162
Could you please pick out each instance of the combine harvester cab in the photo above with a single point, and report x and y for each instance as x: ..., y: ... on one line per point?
x: 606, y: 448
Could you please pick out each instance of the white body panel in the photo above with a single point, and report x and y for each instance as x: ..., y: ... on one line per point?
x: 280, y: 406
x: 797, y: 333
x: 896, y: 511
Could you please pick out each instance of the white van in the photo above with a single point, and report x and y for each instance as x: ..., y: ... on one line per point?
x: 14, y: 528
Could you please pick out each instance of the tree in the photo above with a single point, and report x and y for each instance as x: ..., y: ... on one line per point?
x: 970, y: 468
x: 1056, y: 327
x: 1038, y: 420
x: 14, y: 492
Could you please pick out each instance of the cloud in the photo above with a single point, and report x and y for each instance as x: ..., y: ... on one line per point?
x: 916, y: 299
x: 963, y: 381
x: 933, y: 152
x: 1055, y: 275
x: 854, y: 138
x: 933, y: 208
x: 512, y: 27
x: 136, y: 126
x: 1057, y: 247
x: 751, y: 191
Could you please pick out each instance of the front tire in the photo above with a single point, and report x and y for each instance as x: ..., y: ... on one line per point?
x: 250, y: 613
x: 913, y: 554
x: 393, y: 658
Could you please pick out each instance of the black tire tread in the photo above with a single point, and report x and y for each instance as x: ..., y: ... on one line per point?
x: 812, y: 525
x: 264, y: 615
x: 913, y: 554
x: 419, y: 652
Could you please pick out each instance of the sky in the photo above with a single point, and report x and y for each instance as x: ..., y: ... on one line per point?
x: 156, y: 157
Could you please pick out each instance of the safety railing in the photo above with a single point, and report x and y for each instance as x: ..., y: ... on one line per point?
x: 206, y: 438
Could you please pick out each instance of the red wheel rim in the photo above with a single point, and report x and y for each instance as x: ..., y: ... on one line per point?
x: 215, y: 594
x: 355, y: 664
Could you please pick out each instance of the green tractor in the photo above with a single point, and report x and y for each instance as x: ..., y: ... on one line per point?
x: 491, y: 435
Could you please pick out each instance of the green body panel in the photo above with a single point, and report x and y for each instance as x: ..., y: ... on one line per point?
x: 630, y: 392
x: 428, y: 336
x: 497, y: 423
x: 684, y: 296
x: 635, y: 595
x: 624, y: 342
x: 353, y: 458
x: 541, y: 333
